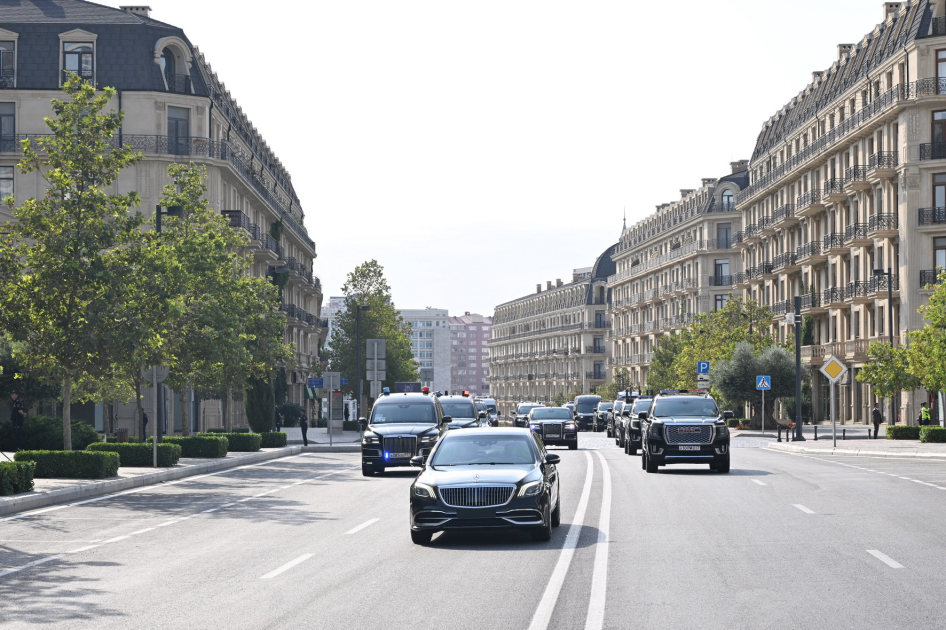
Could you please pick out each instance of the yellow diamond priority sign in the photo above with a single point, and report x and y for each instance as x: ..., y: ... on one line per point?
x: 833, y: 369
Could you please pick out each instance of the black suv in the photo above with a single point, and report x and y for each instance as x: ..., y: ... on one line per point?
x: 401, y: 426
x: 585, y: 408
x: 631, y: 424
x: 555, y: 425
x: 464, y: 412
x: 684, y: 428
x: 521, y: 418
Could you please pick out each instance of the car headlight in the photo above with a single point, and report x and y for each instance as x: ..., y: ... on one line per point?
x: 722, y: 430
x: 531, y: 489
x: 424, y: 491
x: 429, y: 438
x: 370, y: 439
x: 655, y: 430
x: 535, y: 427
x: 569, y: 425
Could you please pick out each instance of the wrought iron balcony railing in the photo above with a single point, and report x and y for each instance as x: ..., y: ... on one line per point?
x: 239, y: 220
x: 833, y: 295
x: 932, y: 216
x: 933, y: 151
x: 806, y: 199
x: 855, y: 231
x: 765, y: 268
x: 929, y: 277
x: 880, y: 283
x: 180, y: 84
x: 751, y: 230
x: 810, y: 300
x: 786, y: 259
x: 765, y: 223
x: 855, y: 174
x: 857, y: 289
x: 833, y: 240
x: 834, y: 186
x: 878, y: 222
x: 720, y: 281
x: 739, y: 237
x: 783, y: 212
x: 933, y: 86
x: 938, y: 26
x: 884, y: 159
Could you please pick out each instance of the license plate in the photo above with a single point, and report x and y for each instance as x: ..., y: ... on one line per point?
x: 555, y: 433
x: 399, y: 455
x: 689, y: 448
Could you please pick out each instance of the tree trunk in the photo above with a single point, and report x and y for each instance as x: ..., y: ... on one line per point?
x: 228, y: 416
x: 185, y: 420
x: 67, y: 413
x: 141, y: 419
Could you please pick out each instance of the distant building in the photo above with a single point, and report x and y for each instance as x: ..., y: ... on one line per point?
x: 329, y: 314
x: 430, y: 343
x: 469, y: 355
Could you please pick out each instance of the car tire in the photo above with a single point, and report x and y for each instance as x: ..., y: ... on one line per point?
x: 632, y: 449
x: 573, y: 446
x: 649, y: 465
x: 379, y: 469
x: 722, y: 467
x: 557, y: 513
x: 626, y: 451
x: 643, y: 459
x: 421, y: 538
x: 611, y: 434
x: 544, y: 533
x: 367, y: 470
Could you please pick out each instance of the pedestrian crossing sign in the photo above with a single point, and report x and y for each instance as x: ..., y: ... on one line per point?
x: 833, y: 369
x: 763, y: 382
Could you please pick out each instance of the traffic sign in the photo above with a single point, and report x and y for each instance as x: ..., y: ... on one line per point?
x: 763, y: 382
x: 702, y: 381
x: 151, y: 374
x: 375, y: 375
x: 375, y: 364
x: 315, y: 382
x: 344, y: 380
x: 702, y: 367
x: 833, y: 369
x: 376, y: 348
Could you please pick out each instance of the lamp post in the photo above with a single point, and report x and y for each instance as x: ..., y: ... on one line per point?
x: 358, y: 374
x: 878, y: 273
x: 796, y: 319
x: 171, y: 211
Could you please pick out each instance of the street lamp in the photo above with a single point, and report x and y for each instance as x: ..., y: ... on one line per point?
x: 889, y: 273
x: 171, y: 211
x: 796, y: 320
x: 358, y: 309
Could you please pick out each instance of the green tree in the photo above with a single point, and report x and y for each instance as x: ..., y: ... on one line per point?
x: 60, y: 297
x: 367, y: 286
x: 889, y: 370
x: 661, y: 373
x: 619, y: 382
x: 735, y: 379
x: 33, y: 387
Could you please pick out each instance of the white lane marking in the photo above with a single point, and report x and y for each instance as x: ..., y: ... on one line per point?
x: 599, y: 577
x: 758, y: 482
x: 355, y: 530
x: 803, y: 508
x: 86, y: 548
x: 890, y: 562
x: 141, y: 531
x: 116, y: 539
x: 31, y: 564
x: 287, y: 566
x: 165, y: 524
x: 543, y: 613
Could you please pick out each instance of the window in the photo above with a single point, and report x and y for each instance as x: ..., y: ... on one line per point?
x: 939, y: 135
x: 7, y: 64
x: 723, y: 235
x: 7, y: 126
x: 939, y: 191
x: 939, y: 252
x: 721, y: 301
x: 6, y: 182
x: 728, y: 204
x: 941, y: 70
x: 721, y: 267
x: 77, y: 59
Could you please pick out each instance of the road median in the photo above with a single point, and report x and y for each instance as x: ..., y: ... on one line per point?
x: 878, y: 448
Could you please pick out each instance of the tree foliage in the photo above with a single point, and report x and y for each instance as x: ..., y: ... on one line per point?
x: 735, y: 379
x: 619, y: 382
x: 888, y: 371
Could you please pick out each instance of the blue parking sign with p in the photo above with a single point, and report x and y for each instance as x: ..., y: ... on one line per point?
x: 702, y: 367
x: 763, y: 382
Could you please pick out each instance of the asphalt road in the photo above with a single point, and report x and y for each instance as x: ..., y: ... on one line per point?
x: 783, y: 541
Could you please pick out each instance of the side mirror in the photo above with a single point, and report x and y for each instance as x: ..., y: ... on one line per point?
x: 642, y: 415
x: 418, y: 461
x: 362, y: 424
x: 446, y: 420
x: 552, y: 458
x: 483, y: 415
x: 626, y: 413
x: 727, y: 415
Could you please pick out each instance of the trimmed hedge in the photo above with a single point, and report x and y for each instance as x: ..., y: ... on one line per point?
x: 71, y: 464
x: 240, y: 442
x: 242, y: 430
x: 43, y: 433
x: 932, y: 434
x: 903, y: 432
x: 114, y: 440
x: 733, y: 422
x: 140, y: 455
x: 273, y: 439
x: 216, y: 430
x: 223, y: 430
x: 199, y: 445
x: 16, y: 477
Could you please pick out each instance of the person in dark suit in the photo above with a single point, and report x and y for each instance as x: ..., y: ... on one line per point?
x: 876, y: 418
x: 304, y: 425
x: 17, y: 418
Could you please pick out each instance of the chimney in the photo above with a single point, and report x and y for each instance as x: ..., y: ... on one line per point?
x: 739, y: 166
x: 538, y: 288
x: 707, y: 181
x: 558, y: 282
x: 891, y: 8
x: 684, y: 192
x: 548, y: 285
x: 817, y: 74
x: 844, y: 49
x: 138, y: 9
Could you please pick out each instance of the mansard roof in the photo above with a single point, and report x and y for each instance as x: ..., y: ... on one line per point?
x: 604, y: 266
x: 852, y: 68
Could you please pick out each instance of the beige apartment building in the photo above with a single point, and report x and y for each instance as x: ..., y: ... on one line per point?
x: 553, y: 341
x: 674, y: 264
x: 847, y: 178
x: 176, y: 110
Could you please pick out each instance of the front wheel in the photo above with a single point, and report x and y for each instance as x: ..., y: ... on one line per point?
x: 421, y: 538
x: 573, y: 446
x: 544, y: 533
x: 650, y: 466
x: 557, y: 513
x: 367, y: 470
x: 723, y: 466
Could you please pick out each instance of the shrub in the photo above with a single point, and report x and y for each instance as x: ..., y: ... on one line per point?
x: 241, y: 442
x: 902, y: 432
x: 273, y: 439
x: 241, y: 430
x: 349, y: 425
x: 43, y: 433
x: 200, y: 445
x: 733, y: 422
x: 932, y: 434
x: 71, y: 464
x: 291, y: 412
x: 114, y: 440
x: 16, y: 477
x: 141, y: 455
x: 216, y: 430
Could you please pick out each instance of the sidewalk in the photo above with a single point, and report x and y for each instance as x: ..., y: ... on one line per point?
x: 318, y: 435
x: 856, y: 444
x: 51, y: 491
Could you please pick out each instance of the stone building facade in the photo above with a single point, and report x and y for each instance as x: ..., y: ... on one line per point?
x: 176, y: 110
x: 554, y: 341
x: 674, y: 264
x: 469, y: 353
x: 430, y: 343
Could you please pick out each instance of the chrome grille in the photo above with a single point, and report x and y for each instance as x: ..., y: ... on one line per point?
x: 552, y: 430
x: 405, y: 444
x: 477, y: 496
x: 689, y: 434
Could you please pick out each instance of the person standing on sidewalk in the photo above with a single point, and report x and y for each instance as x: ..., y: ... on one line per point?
x: 924, y: 415
x: 17, y: 417
x: 876, y: 418
x: 304, y: 425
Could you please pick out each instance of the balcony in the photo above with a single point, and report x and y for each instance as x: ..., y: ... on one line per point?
x: 766, y: 226
x: 753, y: 274
x: 885, y: 225
x: 666, y: 290
x: 879, y: 285
x: 930, y: 87
x: 810, y: 253
x: 766, y: 270
x: 238, y: 220
x: 784, y: 216
x: 595, y: 376
x: 856, y: 349
x: 721, y: 281
x: 741, y: 280
x: 856, y: 235
x: 882, y: 165
x: 833, y: 297
x: 834, y: 244
x: 272, y: 247
x: 809, y: 204
x: 813, y: 354
x: 834, y: 190
x: 811, y: 303
x: 933, y: 151
x: 855, y: 179
x: 785, y: 261
x: 929, y: 278
x: 779, y: 309
x: 739, y: 239
x: 857, y: 292
x: 932, y: 216
x: 177, y: 83
x: 752, y: 233
x: 938, y: 27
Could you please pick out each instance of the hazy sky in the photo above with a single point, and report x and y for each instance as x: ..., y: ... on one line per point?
x: 477, y: 148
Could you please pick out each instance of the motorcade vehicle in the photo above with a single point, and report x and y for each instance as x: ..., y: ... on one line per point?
x: 614, y: 419
x: 631, y: 424
x: 492, y: 409
x: 585, y: 412
x: 400, y: 426
x: 602, y: 412
x: 684, y: 427
x: 571, y: 406
x: 486, y: 479
x: 555, y: 425
x: 522, y: 413
x: 464, y: 412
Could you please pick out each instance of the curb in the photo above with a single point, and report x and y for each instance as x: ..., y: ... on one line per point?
x: 34, y: 500
x: 852, y: 453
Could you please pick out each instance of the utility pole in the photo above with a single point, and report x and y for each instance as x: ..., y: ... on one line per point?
x: 799, y: 435
x: 358, y: 309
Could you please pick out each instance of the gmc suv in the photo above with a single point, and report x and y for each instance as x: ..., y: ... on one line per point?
x: 684, y: 428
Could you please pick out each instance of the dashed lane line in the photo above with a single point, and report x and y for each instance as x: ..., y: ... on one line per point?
x: 890, y: 562
x: 355, y: 530
x: 287, y: 566
x: 599, y: 576
x: 803, y: 508
x: 761, y: 483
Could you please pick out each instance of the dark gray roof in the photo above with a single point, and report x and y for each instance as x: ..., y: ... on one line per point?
x: 66, y: 12
x: 604, y: 266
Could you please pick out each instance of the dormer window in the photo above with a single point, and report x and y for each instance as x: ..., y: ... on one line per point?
x: 77, y: 58
x: 178, y: 83
x: 7, y: 65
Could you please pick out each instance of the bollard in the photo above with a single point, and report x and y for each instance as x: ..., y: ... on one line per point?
x: 843, y: 434
x: 779, y: 433
x: 816, y: 433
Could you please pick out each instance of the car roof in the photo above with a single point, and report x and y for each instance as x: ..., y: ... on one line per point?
x: 456, y: 396
x: 488, y: 431
x: 409, y: 397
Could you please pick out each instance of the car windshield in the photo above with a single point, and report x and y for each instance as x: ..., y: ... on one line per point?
x: 605, y: 406
x: 472, y: 450
x: 391, y: 412
x: 491, y: 407
x: 586, y: 406
x: 552, y: 413
x: 691, y: 406
x: 619, y: 406
x: 641, y: 404
x: 458, y: 408
x: 525, y: 409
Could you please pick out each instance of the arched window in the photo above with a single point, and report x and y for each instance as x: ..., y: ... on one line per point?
x: 167, y: 62
x: 175, y: 74
x: 728, y: 202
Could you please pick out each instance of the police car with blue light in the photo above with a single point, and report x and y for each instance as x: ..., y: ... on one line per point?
x: 684, y: 427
